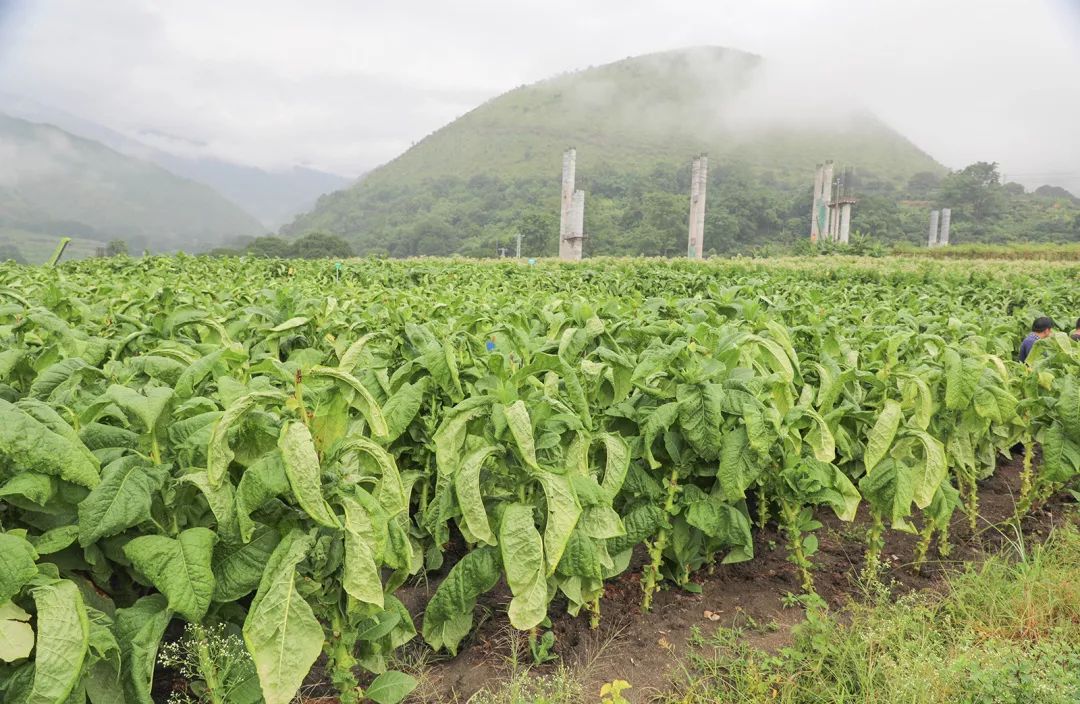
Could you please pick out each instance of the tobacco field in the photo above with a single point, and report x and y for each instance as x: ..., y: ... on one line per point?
x: 275, y: 448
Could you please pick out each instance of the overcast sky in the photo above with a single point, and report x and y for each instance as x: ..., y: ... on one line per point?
x: 344, y: 85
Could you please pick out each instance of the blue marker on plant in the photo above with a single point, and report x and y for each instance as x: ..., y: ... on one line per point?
x: 490, y: 344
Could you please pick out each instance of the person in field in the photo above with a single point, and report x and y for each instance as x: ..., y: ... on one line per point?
x: 1041, y: 329
x: 1076, y: 333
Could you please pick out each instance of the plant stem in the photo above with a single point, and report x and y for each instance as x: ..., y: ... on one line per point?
x: 943, y: 545
x: 656, y: 548
x: 789, y: 513
x: 926, y: 535
x: 298, y: 394
x: 594, y: 607
x: 874, y: 544
x: 207, y: 668
x: 762, y: 507
x: 972, y: 503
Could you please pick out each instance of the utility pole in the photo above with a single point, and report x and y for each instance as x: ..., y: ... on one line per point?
x: 517, y: 253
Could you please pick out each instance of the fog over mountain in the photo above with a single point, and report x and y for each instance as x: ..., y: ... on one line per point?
x: 343, y: 86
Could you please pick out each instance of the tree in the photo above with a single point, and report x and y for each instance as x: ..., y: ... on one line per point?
x: 319, y: 245
x: 270, y: 247
x: 975, y: 192
x: 116, y: 248
x: 923, y: 184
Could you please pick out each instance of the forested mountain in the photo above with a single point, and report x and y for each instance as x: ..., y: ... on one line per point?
x: 55, y: 184
x: 273, y: 197
x: 636, y: 124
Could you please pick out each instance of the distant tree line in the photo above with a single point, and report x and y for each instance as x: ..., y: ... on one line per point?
x: 645, y: 213
x: 315, y: 245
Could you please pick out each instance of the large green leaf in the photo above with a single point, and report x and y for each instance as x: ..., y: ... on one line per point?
x: 617, y: 464
x: 238, y: 569
x: 305, y: 474
x: 563, y: 512
x: 363, y: 399
x: 881, y: 436
x: 121, y: 500
x: 218, y: 453
x: 1068, y: 407
x: 520, y: 425
x: 63, y: 637
x: 31, y: 446
x: 361, y: 577
x: 179, y: 568
x: 739, y: 468
x: 961, y: 379
x: 16, y: 635
x: 933, y: 470
x: 390, y: 687
x: 700, y: 416
x: 390, y: 491
x: 523, y: 561
x: 470, y: 497
x: 138, y: 631
x: 17, y: 566
x: 400, y: 409
x: 146, y: 407
x: 449, y: 614
x: 281, y: 632
x: 655, y: 424
x: 262, y: 481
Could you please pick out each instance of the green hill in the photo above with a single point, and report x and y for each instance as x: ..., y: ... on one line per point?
x: 636, y: 124
x: 53, y: 183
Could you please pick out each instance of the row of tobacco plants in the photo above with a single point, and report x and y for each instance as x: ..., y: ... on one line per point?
x: 269, y: 451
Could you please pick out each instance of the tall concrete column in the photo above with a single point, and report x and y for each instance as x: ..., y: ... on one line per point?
x: 946, y: 220
x: 695, y: 196
x: 703, y: 179
x: 815, y: 206
x: 569, y: 167
x: 575, y: 237
x: 827, y: 198
x: 932, y: 240
x: 845, y: 222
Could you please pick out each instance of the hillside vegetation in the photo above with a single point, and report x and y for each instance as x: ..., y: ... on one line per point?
x: 56, y: 184
x: 636, y: 124
x: 494, y: 173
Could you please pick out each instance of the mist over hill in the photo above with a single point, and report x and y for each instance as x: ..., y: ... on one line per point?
x: 636, y: 124
x: 274, y: 197
x: 54, y: 184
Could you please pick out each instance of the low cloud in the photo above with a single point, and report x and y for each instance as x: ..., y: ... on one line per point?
x: 345, y: 86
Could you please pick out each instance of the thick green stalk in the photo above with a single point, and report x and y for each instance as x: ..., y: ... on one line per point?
x: 762, y: 507
x: 207, y: 668
x: 656, y: 548
x: 925, y: 536
x: 789, y: 515
x: 1027, y: 479
x: 340, y: 660
x: 943, y: 545
x: 874, y: 544
x: 972, y: 503
x: 298, y: 394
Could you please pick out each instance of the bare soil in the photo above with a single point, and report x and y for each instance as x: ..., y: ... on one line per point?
x: 647, y: 649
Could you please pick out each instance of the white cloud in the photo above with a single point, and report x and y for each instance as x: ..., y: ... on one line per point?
x: 346, y: 85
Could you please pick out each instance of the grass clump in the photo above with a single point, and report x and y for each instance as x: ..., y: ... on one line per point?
x: 1005, y: 631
